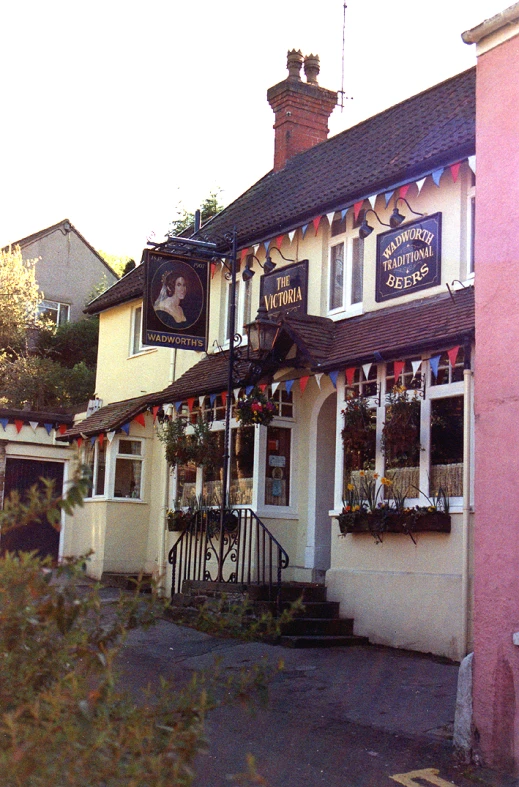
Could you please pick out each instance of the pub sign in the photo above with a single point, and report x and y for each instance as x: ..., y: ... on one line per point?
x: 409, y: 258
x: 176, y: 304
x: 285, y: 291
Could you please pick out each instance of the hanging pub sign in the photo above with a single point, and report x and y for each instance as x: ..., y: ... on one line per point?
x: 285, y: 291
x: 176, y: 303
x: 409, y: 258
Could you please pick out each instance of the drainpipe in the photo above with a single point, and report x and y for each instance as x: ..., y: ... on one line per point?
x: 467, y: 424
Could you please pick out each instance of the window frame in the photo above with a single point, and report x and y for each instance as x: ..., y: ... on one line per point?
x: 59, y: 307
x: 111, y: 452
x: 346, y: 307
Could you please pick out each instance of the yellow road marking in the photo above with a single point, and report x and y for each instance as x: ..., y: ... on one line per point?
x: 427, y: 775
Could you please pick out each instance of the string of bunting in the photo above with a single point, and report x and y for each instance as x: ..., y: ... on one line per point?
x: 19, y: 423
x: 401, y: 191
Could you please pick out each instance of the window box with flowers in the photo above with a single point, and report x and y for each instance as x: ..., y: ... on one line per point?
x: 363, y: 512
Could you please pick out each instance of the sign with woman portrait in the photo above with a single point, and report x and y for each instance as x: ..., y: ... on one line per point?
x: 176, y: 305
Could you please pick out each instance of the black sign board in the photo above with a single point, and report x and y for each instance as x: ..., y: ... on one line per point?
x: 409, y: 258
x: 286, y: 291
x: 176, y: 301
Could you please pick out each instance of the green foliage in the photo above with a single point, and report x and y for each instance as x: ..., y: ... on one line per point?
x: 62, y: 719
x: 19, y: 298
x: 209, y: 208
x: 116, y: 262
x: 43, y: 384
x: 71, y: 343
x: 198, y: 448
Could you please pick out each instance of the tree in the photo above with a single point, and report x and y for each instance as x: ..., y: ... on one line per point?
x: 209, y: 208
x: 19, y: 299
x: 116, y: 262
x: 43, y: 384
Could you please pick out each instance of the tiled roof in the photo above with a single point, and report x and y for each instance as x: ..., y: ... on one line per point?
x: 112, y: 416
x: 42, y: 416
x: 126, y: 289
x: 405, y: 142
x: 433, y: 323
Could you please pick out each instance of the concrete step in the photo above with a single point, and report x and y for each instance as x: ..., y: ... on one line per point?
x: 309, y: 641
x: 319, y: 627
x: 114, y: 579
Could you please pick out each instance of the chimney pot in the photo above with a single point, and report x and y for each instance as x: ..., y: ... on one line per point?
x: 294, y: 63
x: 312, y: 69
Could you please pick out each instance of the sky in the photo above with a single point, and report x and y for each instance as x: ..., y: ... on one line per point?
x: 116, y: 112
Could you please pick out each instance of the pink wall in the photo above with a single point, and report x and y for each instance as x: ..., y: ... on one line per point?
x: 496, y: 609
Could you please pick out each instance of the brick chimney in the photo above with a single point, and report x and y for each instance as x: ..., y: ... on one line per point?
x: 301, y: 108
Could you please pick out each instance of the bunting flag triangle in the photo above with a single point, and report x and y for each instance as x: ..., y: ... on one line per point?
x: 140, y: 419
x: 318, y: 378
x: 279, y: 241
x: 288, y: 385
x: 436, y: 176
x: 453, y: 354
x: 303, y: 383
x: 291, y: 235
x: 330, y: 216
x: 79, y: 442
x: 212, y: 399
x: 178, y: 406
x: 190, y: 403
x: 154, y: 411
x: 357, y: 208
x: 366, y: 368
x: 243, y: 254
x: 377, y: 355
x: 266, y: 244
x: 316, y: 223
x: 18, y: 425
x: 350, y: 374
x: 398, y: 367
x: 235, y: 393
x: 93, y: 440
x: 110, y: 435
x: 304, y: 229
x: 126, y: 429
x: 255, y: 248
x: 201, y: 400
x: 343, y: 212
x: 415, y: 366
x: 435, y: 362
x: 62, y: 428
x: 333, y: 377
x: 388, y: 196
x: 403, y: 190
x: 101, y: 439
x: 249, y: 389
x: 420, y: 183
x: 372, y: 200
x: 455, y: 168
x: 48, y: 427
x: 472, y: 163
x: 5, y: 421
x: 33, y: 425
x: 223, y: 396
x: 262, y: 387
x: 213, y: 269
x: 274, y: 387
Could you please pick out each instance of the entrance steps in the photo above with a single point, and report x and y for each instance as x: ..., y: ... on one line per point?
x: 318, y: 625
x: 114, y: 579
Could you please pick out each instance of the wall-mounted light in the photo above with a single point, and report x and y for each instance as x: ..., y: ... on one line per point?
x: 268, y: 266
x: 365, y: 229
x: 396, y: 218
x: 262, y: 333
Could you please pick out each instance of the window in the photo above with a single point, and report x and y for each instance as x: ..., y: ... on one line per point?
x: 136, y: 337
x: 95, y: 458
x: 243, y: 296
x: 447, y: 447
x: 58, y: 313
x: 128, y: 469
x: 241, y: 469
x: 346, y: 274
x: 277, y: 466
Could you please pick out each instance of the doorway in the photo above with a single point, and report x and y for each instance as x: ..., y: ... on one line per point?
x: 324, y: 483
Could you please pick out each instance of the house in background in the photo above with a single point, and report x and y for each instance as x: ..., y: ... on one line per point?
x: 371, y: 232
x: 68, y: 270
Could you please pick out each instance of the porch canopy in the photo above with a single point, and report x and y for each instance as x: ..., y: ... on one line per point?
x: 310, y: 345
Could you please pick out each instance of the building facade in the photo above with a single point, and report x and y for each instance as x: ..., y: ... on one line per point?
x: 371, y: 233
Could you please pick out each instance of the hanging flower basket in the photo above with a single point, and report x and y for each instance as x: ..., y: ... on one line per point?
x: 179, y: 521
x: 255, y: 409
x: 359, y: 425
x: 198, y: 448
x: 401, y: 431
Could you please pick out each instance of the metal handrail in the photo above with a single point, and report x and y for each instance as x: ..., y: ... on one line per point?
x: 248, y: 554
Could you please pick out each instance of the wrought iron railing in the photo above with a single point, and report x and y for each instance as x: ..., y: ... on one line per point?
x: 241, y: 549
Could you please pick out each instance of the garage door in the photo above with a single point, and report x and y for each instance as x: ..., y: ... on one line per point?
x: 22, y: 474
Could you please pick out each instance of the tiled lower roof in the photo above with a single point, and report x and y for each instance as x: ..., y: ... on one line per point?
x: 393, y: 333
